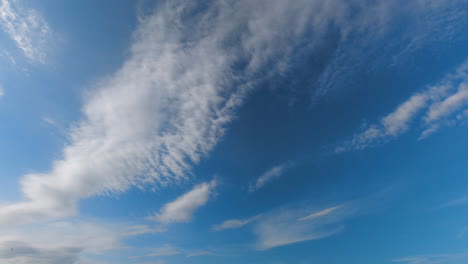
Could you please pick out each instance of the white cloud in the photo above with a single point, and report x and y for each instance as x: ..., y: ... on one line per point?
x: 426, y: 22
x: 397, y: 122
x: 2, y: 92
x: 443, y: 103
x: 449, y: 104
x: 438, y: 113
x: 235, y: 223
x: 170, y: 102
x: 27, y: 28
x: 60, y: 242
x: 162, y: 112
x: 291, y: 226
x: 391, y: 126
x: 182, y: 209
x: 187, y: 72
x: 275, y: 172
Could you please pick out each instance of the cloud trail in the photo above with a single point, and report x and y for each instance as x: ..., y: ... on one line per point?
x: 442, y: 104
x: 275, y: 172
x: 182, y: 209
x: 27, y: 28
x: 235, y: 223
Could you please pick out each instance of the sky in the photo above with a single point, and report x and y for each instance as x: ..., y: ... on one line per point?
x: 233, y: 131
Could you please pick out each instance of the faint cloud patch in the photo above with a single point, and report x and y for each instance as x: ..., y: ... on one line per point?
x: 459, y: 258
x: 271, y: 174
x: 27, y: 28
x: 286, y: 227
x: 235, y: 223
x: 197, y: 254
x: 292, y: 225
x: 166, y: 250
x: 456, y: 202
x: 142, y: 230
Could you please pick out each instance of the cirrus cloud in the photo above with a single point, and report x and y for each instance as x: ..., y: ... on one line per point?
x: 27, y: 28
x: 436, y: 106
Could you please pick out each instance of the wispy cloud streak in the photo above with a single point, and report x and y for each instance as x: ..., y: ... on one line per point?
x: 275, y: 172
x: 27, y: 28
x: 235, y: 223
x: 441, y: 105
x: 435, y: 259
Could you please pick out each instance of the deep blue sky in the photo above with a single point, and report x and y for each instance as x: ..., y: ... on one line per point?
x: 273, y: 132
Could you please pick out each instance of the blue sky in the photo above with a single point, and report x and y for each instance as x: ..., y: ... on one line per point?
x: 270, y: 132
